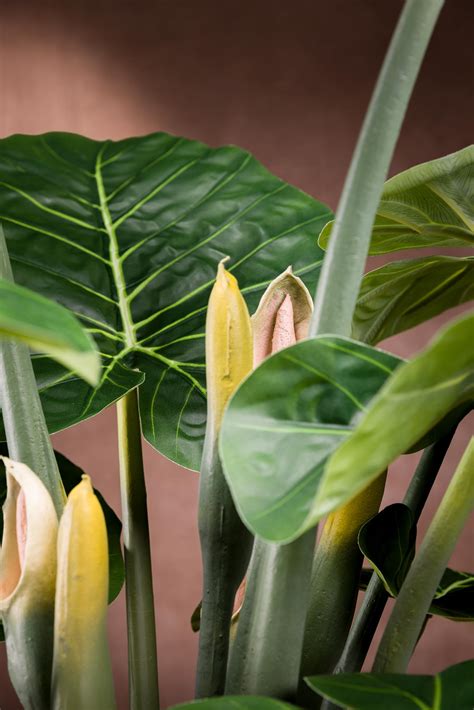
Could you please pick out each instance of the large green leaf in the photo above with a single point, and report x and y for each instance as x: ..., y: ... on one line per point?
x: 429, y: 205
x: 71, y: 475
x: 414, y: 400
x: 388, y: 541
x: 403, y: 294
x: 128, y: 235
x: 236, y: 702
x: 48, y: 327
x: 320, y: 422
x: 293, y: 412
x: 453, y: 689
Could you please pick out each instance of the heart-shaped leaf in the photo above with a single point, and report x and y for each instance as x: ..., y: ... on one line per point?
x: 128, y: 235
x: 388, y: 541
x: 453, y: 689
x: 71, y: 475
x: 323, y: 419
x: 403, y: 294
x: 429, y: 205
x: 236, y: 702
x: 293, y: 412
x: 48, y: 327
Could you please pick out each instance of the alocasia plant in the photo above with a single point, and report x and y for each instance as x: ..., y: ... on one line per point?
x: 127, y: 235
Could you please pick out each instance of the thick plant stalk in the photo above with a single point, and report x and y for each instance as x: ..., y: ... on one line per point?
x: 333, y: 594
x: 142, y: 657
x: 417, y: 592
x: 375, y: 598
x: 282, y: 318
x: 82, y: 673
x: 27, y: 583
x: 339, y: 284
x: 225, y: 542
x: 25, y: 427
x: 278, y: 579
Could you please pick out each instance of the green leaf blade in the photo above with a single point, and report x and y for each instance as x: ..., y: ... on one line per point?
x: 388, y: 542
x: 128, y: 236
x: 293, y: 412
x: 47, y: 327
x: 453, y: 688
x: 428, y: 205
x: 403, y: 294
x: 419, y: 395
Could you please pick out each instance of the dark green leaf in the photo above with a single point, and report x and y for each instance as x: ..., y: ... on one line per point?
x: 236, y: 702
x: 429, y: 205
x: 453, y: 689
x: 48, y: 327
x: 196, y: 618
x: 293, y: 412
x: 71, y: 476
x: 403, y: 294
x: 128, y: 235
x: 388, y: 542
x: 454, y: 598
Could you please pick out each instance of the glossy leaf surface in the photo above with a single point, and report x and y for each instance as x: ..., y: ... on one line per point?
x: 47, y: 327
x: 388, y: 541
x: 128, y: 236
x: 71, y: 476
x: 323, y: 419
x: 428, y: 205
x: 403, y: 294
x: 293, y: 412
x: 453, y: 688
x: 418, y: 396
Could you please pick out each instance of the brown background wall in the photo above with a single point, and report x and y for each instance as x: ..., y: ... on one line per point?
x: 288, y: 80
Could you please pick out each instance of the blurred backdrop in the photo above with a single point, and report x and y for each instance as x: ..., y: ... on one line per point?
x: 289, y: 81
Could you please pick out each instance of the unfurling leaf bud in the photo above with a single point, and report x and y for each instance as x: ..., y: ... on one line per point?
x: 282, y: 317
x: 82, y: 676
x: 228, y: 344
x: 27, y: 579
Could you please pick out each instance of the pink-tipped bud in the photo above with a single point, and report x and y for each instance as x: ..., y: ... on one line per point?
x: 282, y: 317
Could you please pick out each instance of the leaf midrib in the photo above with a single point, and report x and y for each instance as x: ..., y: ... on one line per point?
x: 114, y: 252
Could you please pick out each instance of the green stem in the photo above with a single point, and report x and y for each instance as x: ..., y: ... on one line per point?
x: 417, y: 592
x: 343, y: 266
x: 142, y: 658
x: 23, y: 419
x: 334, y: 586
x: 226, y: 545
x: 336, y: 297
x: 263, y: 659
x: 375, y: 597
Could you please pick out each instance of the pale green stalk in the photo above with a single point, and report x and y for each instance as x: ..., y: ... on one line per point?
x: 335, y: 301
x: 25, y: 427
x: 417, y: 592
x: 142, y: 657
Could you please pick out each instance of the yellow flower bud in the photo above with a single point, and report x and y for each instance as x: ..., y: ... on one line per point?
x: 27, y: 580
x: 228, y: 344
x: 82, y: 676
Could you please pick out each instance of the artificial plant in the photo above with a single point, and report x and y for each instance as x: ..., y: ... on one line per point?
x: 127, y: 235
